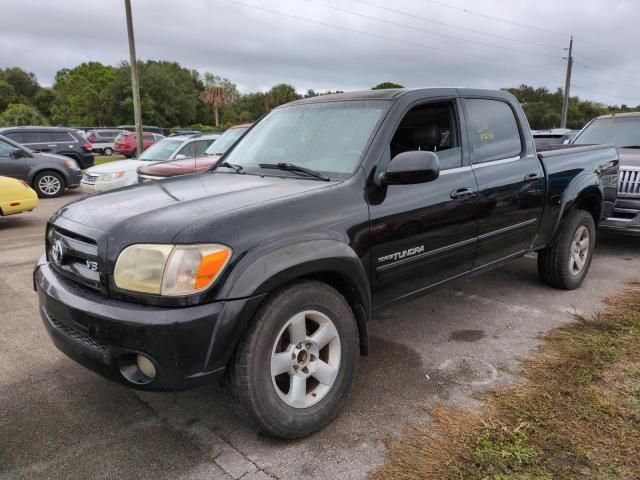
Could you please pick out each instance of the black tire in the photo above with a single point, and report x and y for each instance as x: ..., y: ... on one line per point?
x: 49, y: 184
x: 256, y: 395
x: 107, y: 151
x: 555, y: 262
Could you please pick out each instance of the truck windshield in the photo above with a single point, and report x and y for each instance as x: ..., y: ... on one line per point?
x: 620, y: 131
x: 325, y: 137
x: 222, y: 144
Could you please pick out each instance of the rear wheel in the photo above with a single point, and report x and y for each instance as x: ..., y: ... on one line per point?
x: 294, y: 369
x: 566, y: 264
x: 49, y: 184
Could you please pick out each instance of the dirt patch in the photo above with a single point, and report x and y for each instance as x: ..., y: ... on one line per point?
x: 577, y: 415
x: 467, y: 335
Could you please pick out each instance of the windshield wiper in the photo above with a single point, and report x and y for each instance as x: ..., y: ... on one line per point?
x: 631, y: 146
x: 233, y: 166
x: 290, y: 167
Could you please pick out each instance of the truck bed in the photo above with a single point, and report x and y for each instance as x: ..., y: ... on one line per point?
x: 568, y: 169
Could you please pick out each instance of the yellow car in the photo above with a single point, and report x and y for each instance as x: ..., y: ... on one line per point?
x: 16, y: 196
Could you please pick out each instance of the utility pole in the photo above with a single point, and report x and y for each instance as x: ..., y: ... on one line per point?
x: 567, y: 87
x: 135, y: 89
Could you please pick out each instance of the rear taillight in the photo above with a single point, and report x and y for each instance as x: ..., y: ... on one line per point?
x: 91, y: 137
x: 87, y: 146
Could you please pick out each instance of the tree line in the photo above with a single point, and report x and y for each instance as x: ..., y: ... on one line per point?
x: 93, y: 94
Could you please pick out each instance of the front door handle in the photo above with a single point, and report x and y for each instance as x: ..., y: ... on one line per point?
x: 462, y: 193
x: 532, y: 177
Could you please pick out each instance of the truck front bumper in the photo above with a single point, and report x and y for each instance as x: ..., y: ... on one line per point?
x: 625, y: 217
x: 187, y: 346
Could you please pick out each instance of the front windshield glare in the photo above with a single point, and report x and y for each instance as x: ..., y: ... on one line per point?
x: 222, y: 144
x: 326, y: 137
x: 161, y: 150
x: 620, y: 131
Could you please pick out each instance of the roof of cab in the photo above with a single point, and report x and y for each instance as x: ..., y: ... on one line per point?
x: 626, y: 114
x: 393, y: 93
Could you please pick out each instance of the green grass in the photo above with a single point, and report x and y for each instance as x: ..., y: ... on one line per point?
x: 100, y: 159
x: 577, y: 415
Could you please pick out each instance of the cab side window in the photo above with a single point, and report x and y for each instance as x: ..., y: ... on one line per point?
x: 432, y: 127
x: 493, y: 130
x: 5, y: 149
x: 188, y: 150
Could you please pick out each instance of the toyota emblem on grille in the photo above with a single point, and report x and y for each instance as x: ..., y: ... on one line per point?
x: 57, y: 252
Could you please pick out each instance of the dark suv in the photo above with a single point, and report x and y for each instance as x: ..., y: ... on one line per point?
x: 58, y: 140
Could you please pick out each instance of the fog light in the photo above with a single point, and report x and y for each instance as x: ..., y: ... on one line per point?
x: 145, y: 366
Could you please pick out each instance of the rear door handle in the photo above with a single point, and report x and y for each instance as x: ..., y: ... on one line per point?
x: 532, y: 177
x: 462, y: 193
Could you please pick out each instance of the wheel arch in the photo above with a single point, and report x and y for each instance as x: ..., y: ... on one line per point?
x: 581, y: 194
x: 328, y: 261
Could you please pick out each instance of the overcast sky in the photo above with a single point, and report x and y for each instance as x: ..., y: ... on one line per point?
x: 421, y: 43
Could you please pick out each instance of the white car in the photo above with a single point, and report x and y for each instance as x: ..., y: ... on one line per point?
x: 122, y: 173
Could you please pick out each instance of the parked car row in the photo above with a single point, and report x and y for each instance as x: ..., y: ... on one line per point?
x: 124, y: 172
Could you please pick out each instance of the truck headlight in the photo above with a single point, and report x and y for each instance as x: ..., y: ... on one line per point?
x: 170, y: 269
x: 107, y: 177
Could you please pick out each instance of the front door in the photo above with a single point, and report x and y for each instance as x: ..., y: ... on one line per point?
x: 424, y: 234
x: 9, y: 165
x: 510, y: 181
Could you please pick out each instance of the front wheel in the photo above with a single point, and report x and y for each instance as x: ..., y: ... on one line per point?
x: 566, y: 263
x: 107, y: 151
x: 48, y: 184
x: 294, y: 369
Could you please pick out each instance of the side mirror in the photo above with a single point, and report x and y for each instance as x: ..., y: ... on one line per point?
x: 18, y: 153
x: 179, y: 157
x: 413, y: 167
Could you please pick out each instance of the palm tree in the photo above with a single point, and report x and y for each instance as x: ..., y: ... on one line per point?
x: 216, y: 96
x: 280, y: 94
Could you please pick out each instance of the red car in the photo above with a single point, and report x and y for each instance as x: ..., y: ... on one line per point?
x: 125, y: 143
x: 197, y: 164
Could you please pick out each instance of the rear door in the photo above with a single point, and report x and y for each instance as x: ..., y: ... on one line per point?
x: 510, y: 180
x: 424, y: 234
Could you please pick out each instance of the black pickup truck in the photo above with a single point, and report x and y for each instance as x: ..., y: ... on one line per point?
x: 265, y: 271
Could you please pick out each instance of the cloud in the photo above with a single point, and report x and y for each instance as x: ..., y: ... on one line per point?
x: 256, y: 48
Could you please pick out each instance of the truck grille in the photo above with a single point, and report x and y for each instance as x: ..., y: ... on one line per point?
x: 74, y: 257
x: 90, y: 178
x: 629, y: 182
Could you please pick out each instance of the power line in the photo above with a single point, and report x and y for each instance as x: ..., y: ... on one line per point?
x: 605, y: 94
x: 510, y: 22
x: 374, y: 35
x: 633, y: 85
x: 410, y: 27
x: 426, y: 19
x: 532, y: 27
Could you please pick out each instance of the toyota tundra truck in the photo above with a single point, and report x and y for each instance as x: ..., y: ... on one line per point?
x: 265, y: 271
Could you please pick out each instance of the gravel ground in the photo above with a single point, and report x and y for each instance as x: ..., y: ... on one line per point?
x: 58, y: 420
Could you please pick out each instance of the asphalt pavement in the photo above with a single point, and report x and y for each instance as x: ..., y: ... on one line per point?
x: 58, y: 420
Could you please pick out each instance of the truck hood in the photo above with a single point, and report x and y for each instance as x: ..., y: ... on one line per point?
x: 179, y: 167
x: 629, y: 157
x: 120, y: 165
x: 157, y: 211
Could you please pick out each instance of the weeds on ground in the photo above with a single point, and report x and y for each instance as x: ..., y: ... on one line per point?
x: 576, y: 415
